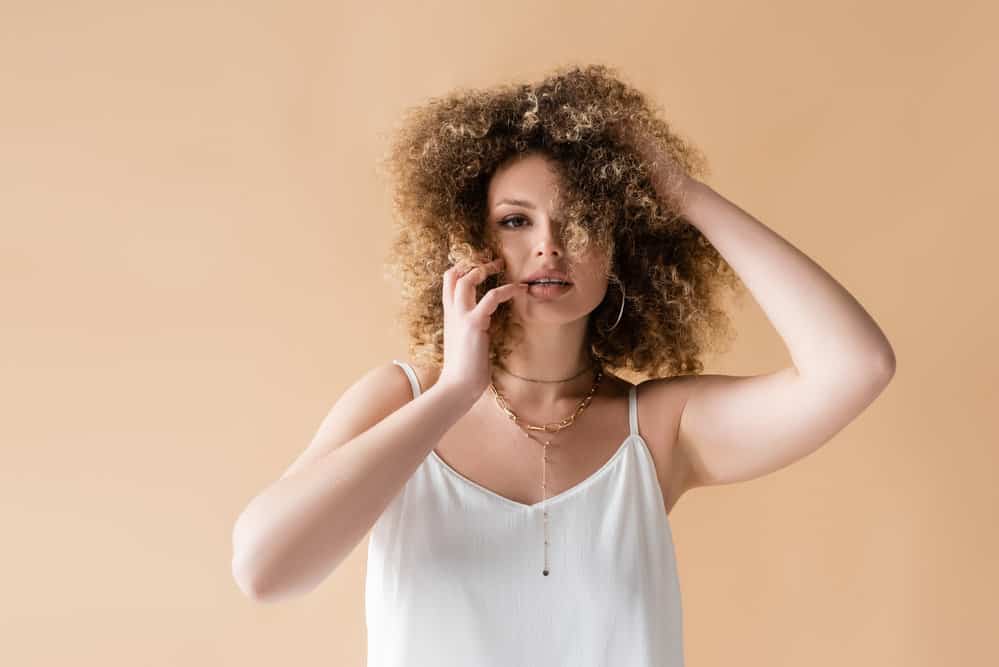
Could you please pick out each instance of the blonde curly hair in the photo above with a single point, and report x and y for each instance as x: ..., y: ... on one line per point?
x: 443, y: 156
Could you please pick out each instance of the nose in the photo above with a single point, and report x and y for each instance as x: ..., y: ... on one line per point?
x: 548, y: 241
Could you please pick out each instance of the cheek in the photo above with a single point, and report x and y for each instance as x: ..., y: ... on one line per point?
x: 592, y: 289
x: 592, y: 275
x: 516, y: 261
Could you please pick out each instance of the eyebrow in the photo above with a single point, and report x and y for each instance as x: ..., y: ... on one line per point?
x: 515, y: 202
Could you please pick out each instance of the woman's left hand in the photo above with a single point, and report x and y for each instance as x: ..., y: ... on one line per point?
x: 670, y: 178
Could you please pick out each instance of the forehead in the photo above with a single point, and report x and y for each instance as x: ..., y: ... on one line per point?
x: 531, y: 177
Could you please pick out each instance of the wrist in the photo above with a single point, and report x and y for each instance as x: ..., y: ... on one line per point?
x: 461, y: 397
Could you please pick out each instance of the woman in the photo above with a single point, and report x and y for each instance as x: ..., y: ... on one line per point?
x: 517, y: 490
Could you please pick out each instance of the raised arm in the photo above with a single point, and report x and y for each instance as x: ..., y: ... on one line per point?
x: 736, y: 428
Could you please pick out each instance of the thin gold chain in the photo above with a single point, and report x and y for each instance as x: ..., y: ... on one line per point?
x: 509, y: 372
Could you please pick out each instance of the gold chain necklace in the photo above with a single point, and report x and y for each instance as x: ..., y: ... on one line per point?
x: 509, y: 372
x: 552, y: 427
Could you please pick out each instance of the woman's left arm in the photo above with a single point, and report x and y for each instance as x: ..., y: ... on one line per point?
x: 827, y: 332
x: 737, y: 428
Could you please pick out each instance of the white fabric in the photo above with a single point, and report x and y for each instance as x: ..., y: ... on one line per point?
x: 454, y: 571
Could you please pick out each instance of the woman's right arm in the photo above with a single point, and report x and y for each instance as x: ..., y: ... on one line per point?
x: 294, y: 533
x: 299, y: 529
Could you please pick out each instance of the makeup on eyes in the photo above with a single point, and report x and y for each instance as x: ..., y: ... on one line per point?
x: 502, y: 223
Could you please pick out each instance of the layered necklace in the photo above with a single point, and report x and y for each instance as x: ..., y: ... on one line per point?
x: 547, y: 429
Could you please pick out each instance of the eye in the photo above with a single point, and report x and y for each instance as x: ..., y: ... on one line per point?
x: 504, y: 221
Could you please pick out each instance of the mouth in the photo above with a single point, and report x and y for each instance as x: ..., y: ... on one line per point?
x: 548, y: 282
x: 548, y: 289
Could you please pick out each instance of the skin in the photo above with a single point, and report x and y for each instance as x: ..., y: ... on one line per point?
x: 553, y: 345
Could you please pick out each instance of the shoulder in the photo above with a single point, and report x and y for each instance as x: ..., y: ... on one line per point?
x: 659, y: 402
x: 425, y: 375
x: 663, y: 400
x: 656, y: 390
x: 669, y: 389
x: 381, y: 390
x: 394, y: 378
x: 377, y: 393
x: 660, y: 406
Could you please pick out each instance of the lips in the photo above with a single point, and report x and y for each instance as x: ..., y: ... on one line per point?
x: 548, y: 274
x: 547, y: 291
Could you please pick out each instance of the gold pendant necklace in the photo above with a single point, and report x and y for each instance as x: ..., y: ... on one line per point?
x: 554, y: 427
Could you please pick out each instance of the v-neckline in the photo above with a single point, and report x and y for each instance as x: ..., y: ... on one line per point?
x: 558, y: 496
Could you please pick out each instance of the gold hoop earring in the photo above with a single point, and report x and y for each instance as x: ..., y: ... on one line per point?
x: 621, y: 311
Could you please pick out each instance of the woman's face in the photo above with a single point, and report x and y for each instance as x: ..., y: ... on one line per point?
x: 523, y: 223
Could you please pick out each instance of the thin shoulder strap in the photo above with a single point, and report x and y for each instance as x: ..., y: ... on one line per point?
x: 414, y: 381
x: 633, y: 409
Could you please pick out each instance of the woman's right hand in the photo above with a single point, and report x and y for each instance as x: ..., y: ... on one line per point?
x: 466, y: 325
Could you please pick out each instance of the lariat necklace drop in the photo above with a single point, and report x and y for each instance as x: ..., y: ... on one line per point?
x: 549, y: 428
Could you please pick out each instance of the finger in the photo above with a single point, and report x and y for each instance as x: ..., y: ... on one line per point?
x: 451, y: 277
x: 494, y: 297
x: 464, y: 288
x: 447, y: 290
x: 464, y: 291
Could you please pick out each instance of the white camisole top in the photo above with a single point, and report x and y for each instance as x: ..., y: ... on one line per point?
x: 454, y: 571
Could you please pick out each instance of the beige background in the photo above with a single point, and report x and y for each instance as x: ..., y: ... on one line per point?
x: 190, y: 273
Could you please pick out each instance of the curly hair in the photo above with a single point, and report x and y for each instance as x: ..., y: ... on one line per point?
x: 443, y: 156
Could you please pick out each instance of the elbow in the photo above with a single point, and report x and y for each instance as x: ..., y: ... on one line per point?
x: 252, y: 581
x: 245, y: 568
x: 257, y: 580
x: 259, y: 587
x: 886, y: 364
x: 247, y: 580
x: 879, y: 367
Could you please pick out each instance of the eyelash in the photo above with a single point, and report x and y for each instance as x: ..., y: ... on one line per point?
x: 503, y: 222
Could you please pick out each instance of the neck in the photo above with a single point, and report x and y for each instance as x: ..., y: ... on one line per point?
x: 547, y: 353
